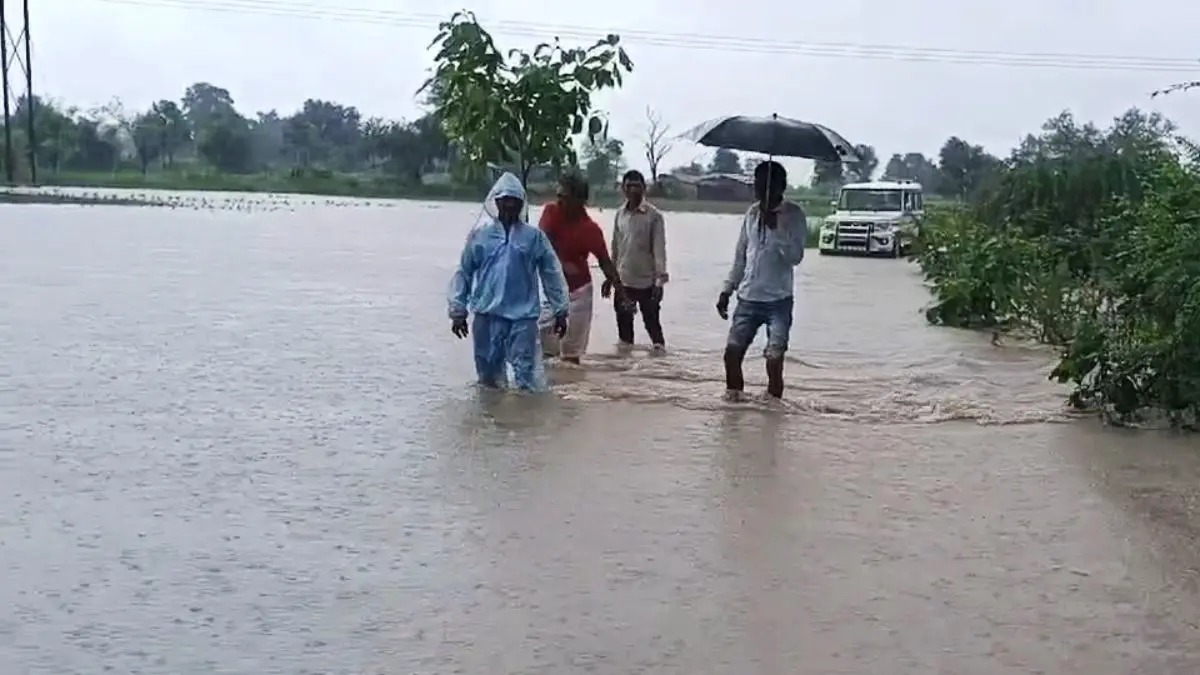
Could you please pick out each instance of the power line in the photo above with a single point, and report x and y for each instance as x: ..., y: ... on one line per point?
x: 543, y: 28
x: 397, y: 19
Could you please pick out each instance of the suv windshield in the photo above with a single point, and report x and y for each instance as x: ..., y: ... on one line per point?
x: 870, y: 200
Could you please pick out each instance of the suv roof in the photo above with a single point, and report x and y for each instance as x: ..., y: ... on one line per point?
x: 884, y: 185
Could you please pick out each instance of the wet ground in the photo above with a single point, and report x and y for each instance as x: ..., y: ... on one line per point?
x: 243, y: 441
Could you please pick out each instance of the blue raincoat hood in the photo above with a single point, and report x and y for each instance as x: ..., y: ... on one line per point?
x: 507, y: 185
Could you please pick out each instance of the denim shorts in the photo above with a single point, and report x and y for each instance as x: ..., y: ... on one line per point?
x: 749, y: 316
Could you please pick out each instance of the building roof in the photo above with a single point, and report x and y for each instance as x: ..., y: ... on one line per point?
x: 715, y: 178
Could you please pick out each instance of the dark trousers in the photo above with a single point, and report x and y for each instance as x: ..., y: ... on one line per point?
x: 649, y: 307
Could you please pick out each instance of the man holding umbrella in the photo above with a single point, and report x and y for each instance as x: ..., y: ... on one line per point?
x: 773, y: 234
x: 770, y: 245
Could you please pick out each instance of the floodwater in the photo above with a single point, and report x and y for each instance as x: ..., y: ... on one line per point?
x: 243, y: 441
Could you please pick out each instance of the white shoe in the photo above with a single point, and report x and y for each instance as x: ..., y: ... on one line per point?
x: 658, y: 350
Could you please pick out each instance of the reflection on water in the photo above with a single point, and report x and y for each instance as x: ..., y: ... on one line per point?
x: 245, y: 442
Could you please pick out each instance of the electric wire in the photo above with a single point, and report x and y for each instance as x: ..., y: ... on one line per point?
x: 691, y: 41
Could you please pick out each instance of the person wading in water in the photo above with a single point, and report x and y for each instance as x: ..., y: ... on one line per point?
x: 639, y: 250
x: 770, y: 245
x: 497, y: 280
x: 576, y: 237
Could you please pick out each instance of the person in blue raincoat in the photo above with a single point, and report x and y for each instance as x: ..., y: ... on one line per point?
x: 497, y: 278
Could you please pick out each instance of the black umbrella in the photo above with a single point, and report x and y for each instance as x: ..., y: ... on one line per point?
x: 776, y: 136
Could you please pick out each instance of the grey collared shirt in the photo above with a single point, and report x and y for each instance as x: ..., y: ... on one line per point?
x: 764, y: 259
x: 639, y: 246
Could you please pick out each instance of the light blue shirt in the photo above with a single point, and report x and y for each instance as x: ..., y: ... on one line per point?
x: 765, y: 259
x: 499, y: 271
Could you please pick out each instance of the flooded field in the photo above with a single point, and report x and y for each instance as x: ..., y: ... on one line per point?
x: 239, y: 438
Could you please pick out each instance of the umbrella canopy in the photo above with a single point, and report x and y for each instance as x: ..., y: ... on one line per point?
x: 774, y: 135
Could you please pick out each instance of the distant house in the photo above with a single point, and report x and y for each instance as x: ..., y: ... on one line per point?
x: 717, y: 187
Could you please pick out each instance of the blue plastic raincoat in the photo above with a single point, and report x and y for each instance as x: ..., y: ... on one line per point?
x: 497, y: 281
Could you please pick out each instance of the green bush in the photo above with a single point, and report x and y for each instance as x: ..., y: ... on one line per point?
x: 1088, y: 240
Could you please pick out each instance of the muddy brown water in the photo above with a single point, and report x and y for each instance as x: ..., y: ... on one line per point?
x: 241, y: 440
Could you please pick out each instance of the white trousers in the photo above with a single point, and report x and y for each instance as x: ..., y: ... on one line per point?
x: 579, y: 325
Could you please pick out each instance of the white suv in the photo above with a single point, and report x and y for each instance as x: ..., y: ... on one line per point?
x: 877, y: 218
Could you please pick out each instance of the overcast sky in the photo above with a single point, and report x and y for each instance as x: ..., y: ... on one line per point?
x: 87, y: 51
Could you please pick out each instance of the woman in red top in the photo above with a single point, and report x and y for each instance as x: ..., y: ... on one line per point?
x: 576, y: 237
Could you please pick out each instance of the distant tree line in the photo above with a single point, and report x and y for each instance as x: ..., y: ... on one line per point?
x: 204, y: 127
x: 960, y: 171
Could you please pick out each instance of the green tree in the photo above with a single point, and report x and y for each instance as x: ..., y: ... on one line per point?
x: 725, y: 160
x: 522, y: 109
x: 913, y: 166
x: 828, y: 176
x: 862, y: 171
x: 964, y: 168
x: 226, y: 144
x: 299, y: 139
x: 894, y: 169
x: 374, y: 133
x: 116, y: 129
x: 55, y: 128
x: 603, y: 162
x: 266, y: 139
x: 98, y: 147
x: 148, y: 131
x: 327, y: 133
x: 176, y: 131
x: 204, y: 103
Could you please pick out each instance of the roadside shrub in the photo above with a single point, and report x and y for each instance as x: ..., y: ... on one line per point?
x: 1088, y: 240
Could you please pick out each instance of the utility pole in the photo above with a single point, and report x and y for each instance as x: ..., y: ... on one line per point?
x: 4, y: 89
x: 11, y: 45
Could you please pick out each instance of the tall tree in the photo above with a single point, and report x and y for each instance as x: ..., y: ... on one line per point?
x: 98, y: 149
x: 656, y: 145
x: 176, y: 131
x: 327, y: 133
x: 204, y: 103
x: 603, y: 161
x: 828, y: 175
x: 913, y: 166
x: 895, y: 168
x: 266, y: 139
x: 56, y: 130
x: 147, y: 131
x: 374, y: 132
x: 116, y: 128
x: 863, y: 170
x: 226, y: 144
x: 964, y: 168
x: 725, y: 161
x: 522, y: 109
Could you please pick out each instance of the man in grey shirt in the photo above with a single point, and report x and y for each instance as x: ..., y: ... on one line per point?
x: 769, y: 247
x: 639, y: 250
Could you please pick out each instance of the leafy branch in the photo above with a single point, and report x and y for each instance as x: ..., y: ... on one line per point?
x: 521, y: 108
